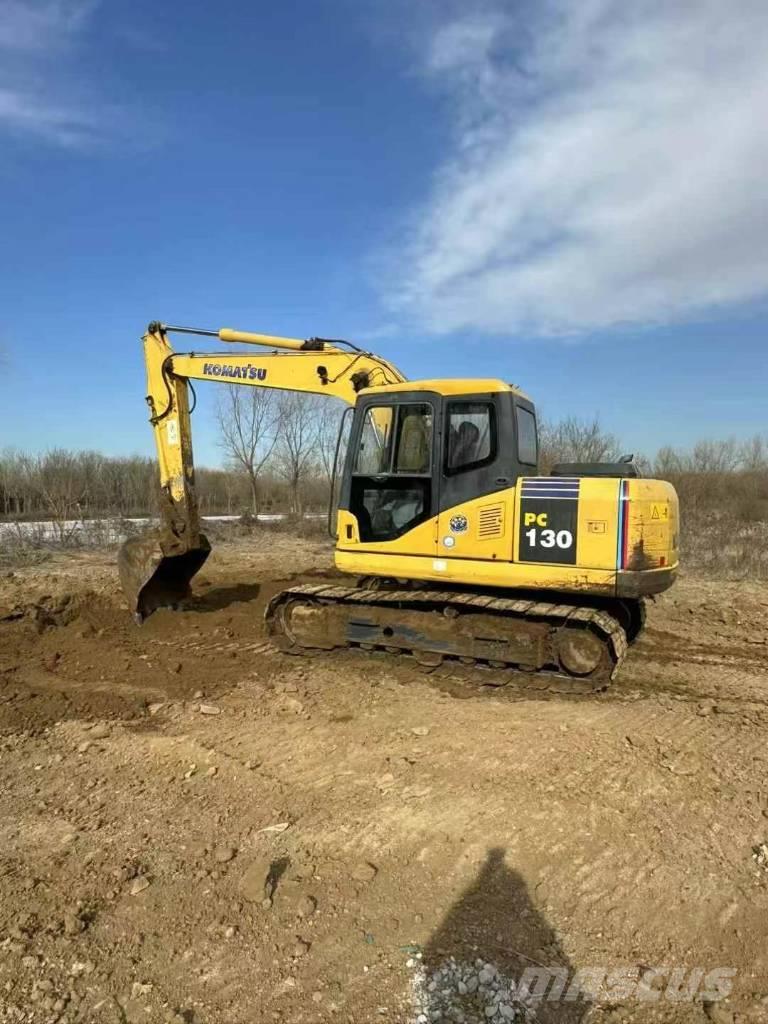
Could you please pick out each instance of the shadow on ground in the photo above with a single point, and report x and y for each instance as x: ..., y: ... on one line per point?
x: 218, y: 598
x: 484, y: 945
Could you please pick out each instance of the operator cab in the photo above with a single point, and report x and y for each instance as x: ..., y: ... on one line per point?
x: 415, y: 451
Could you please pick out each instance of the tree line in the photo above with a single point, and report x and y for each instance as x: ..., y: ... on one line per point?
x: 278, y: 450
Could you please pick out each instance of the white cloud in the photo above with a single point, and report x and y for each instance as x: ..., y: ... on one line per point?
x: 51, y: 121
x: 609, y: 166
x: 35, y: 37
x: 41, y: 24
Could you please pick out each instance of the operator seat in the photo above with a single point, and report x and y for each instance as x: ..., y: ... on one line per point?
x: 464, y: 445
x: 413, y: 450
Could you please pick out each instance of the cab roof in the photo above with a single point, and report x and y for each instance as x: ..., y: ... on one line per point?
x: 449, y: 387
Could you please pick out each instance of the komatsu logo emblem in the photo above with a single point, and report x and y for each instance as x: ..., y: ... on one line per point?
x: 248, y: 372
x: 458, y: 524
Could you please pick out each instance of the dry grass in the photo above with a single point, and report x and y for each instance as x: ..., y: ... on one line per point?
x: 722, y: 546
x: 724, y: 524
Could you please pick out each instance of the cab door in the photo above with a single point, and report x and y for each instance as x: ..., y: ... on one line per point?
x: 389, y: 484
x: 481, y: 463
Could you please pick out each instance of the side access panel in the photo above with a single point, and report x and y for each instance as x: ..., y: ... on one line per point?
x: 478, y: 529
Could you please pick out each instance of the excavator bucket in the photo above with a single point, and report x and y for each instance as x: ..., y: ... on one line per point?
x: 151, y: 579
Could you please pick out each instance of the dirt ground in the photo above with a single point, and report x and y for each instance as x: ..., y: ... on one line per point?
x: 196, y: 828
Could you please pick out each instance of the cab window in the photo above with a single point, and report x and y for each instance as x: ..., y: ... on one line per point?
x: 373, y: 453
x: 395, y: 439
x: 527, y: 447
x: 471, y: 435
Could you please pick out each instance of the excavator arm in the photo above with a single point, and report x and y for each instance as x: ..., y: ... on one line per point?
x: 156, y: 569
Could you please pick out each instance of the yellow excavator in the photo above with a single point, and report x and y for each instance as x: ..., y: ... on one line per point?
x: 459, y: 548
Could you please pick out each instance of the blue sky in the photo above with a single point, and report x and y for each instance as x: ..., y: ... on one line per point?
x: 568, y: 196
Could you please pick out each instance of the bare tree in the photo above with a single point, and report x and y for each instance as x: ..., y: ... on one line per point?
x: 669, y: 461
x: 328, y: 422
x: 60, y: 484
x: 753, y: 454
x: 248, y: 420
x: 575, y: 440
x: 715, y: 457
x: 296, y: 453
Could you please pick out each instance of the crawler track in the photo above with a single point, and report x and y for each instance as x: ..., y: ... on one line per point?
x: 568, y: 641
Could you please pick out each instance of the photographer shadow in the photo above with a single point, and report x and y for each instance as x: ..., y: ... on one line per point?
x: 494, y: 929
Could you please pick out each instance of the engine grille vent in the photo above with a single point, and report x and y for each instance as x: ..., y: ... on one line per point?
x: 490, y: 522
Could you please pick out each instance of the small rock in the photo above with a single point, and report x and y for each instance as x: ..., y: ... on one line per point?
x: 84, y: 967
x: 212, y: 771
x: 300, y: 949
x: 100, y: 731
x: 253, y: 884
x: 139, y: 884
x: 73, y: 924
x: 154, y: 708
x: 224, y: 854
x: 209, y: 709
x: 290, y: 705
x: 364, y: 872
x: 420, y: 730
x: 84, y: 747
x: 306, y: 907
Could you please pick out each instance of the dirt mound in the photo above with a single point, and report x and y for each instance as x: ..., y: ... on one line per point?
x: 48, y: 610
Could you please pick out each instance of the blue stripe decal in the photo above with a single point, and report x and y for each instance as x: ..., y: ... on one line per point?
x: 557, y: 495
x: 550, y: 488
x: 571, y: 488
x: 551, y: 482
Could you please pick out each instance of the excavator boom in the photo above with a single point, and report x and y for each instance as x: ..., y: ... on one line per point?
x: 156, y: 568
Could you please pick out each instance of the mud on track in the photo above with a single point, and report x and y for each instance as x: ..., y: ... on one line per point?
x: 439, y: 813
